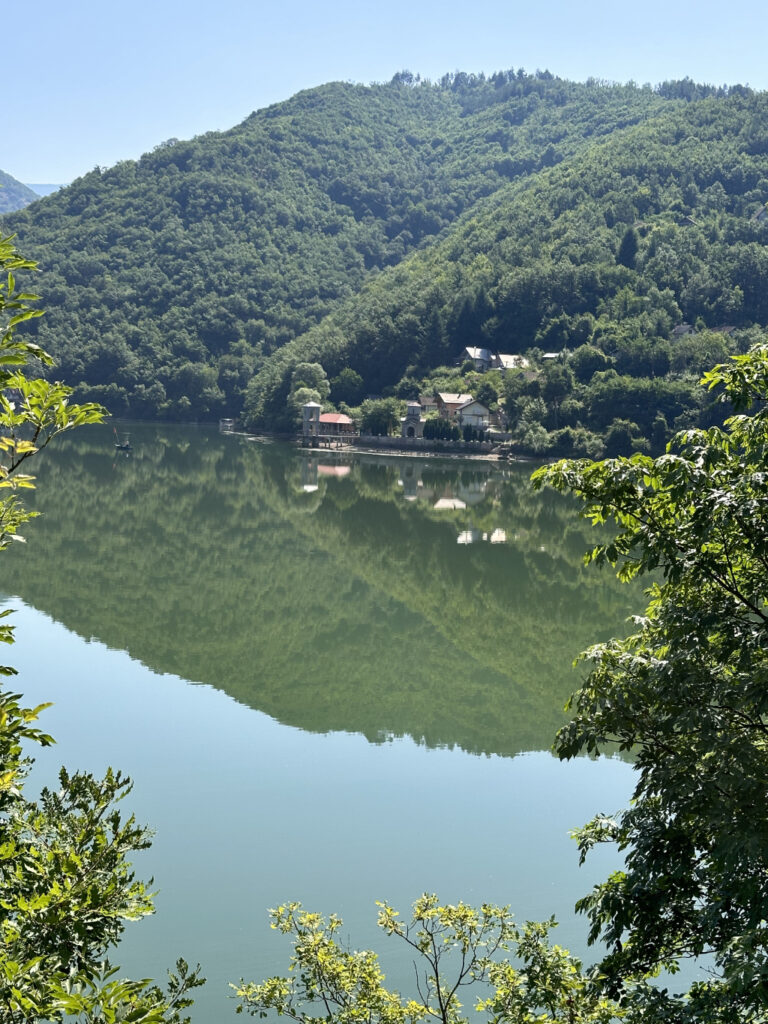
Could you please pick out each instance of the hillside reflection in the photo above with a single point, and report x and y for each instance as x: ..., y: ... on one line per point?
x: 383, y: 595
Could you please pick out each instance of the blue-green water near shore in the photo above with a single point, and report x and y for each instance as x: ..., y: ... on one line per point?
x: 332, y: 678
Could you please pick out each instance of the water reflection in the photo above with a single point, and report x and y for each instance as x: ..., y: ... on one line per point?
x: 388, y: 596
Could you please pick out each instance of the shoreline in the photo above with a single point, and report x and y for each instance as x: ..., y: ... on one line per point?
x: 388, y: 451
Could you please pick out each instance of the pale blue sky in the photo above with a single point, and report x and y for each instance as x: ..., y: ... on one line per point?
x: 96, y: 81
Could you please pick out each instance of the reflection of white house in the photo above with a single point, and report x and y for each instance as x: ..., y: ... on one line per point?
x: 474, y: 536
x: 473, y: 414
x: 309, y: 475
x: 481, y: 357
x: 412, y: 424
x: 412, y: 486
x: 411, y: 482
x: 474, y: 492
x: 448, y: 505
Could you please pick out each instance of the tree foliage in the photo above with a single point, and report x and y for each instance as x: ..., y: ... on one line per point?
x: 348, y: 387
x: 384, y: 228
x: 613, y: 247
x: 687, y: 694
x: 66, y: 886
x: 454, y: 947
x: 441, y: 429
x: 379, y: 416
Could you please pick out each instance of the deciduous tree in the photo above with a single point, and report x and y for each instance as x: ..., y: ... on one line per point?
x: 379, y: 416
x: 66, y: 885
x: 454, y: 948
x: 687, y: 692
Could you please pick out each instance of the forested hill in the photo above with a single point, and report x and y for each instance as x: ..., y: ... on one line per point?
x: 385, y: 227
x: 14, y: 195
x: 168, y: 280
x: 642, y: 259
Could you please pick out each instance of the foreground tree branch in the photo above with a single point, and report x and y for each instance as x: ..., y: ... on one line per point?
x: 456, y: 946
x: 688, y: 692
x: 66, y: 884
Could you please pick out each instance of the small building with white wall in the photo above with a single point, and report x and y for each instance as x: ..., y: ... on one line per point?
x: 412, y: 424
x: 474, y: 414
x: 310, y: 419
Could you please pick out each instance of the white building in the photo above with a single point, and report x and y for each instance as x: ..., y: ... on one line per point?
x: 474, y: 414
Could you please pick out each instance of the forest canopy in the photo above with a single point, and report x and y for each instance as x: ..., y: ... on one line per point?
x: 381, y: 229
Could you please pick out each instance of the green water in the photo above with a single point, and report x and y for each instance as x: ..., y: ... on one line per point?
x: 385, y: 648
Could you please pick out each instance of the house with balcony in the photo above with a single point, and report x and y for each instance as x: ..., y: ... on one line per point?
x: 448, y: 404
x: 335, y: 424
x: 474, y: 414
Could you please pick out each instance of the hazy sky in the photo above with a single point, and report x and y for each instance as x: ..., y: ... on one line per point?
x: 95, y: 81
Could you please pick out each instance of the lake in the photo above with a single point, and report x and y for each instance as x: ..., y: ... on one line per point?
x: 332, y: 678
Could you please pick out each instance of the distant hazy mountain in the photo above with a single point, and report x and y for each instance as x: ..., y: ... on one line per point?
x: 45, y: 190
x: 14, y: 195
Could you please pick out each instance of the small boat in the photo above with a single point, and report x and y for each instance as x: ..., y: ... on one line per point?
x: 123, y: 444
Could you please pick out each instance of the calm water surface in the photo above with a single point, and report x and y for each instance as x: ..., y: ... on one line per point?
x: 332, y: 679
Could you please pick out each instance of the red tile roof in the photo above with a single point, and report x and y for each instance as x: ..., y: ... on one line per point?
x: 334, y: 417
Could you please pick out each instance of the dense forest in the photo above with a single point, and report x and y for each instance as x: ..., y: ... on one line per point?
x: 379, y: 230
x: 14, y: 195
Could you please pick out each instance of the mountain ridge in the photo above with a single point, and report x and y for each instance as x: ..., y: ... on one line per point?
x: 14, y: 195
x: 175, y: 282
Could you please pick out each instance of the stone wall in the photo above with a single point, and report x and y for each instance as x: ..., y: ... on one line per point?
x: 421, y: 444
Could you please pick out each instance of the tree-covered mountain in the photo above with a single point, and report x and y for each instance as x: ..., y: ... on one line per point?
x: 14, y: 195
x: 602, y: 256
x: 384, y: 228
